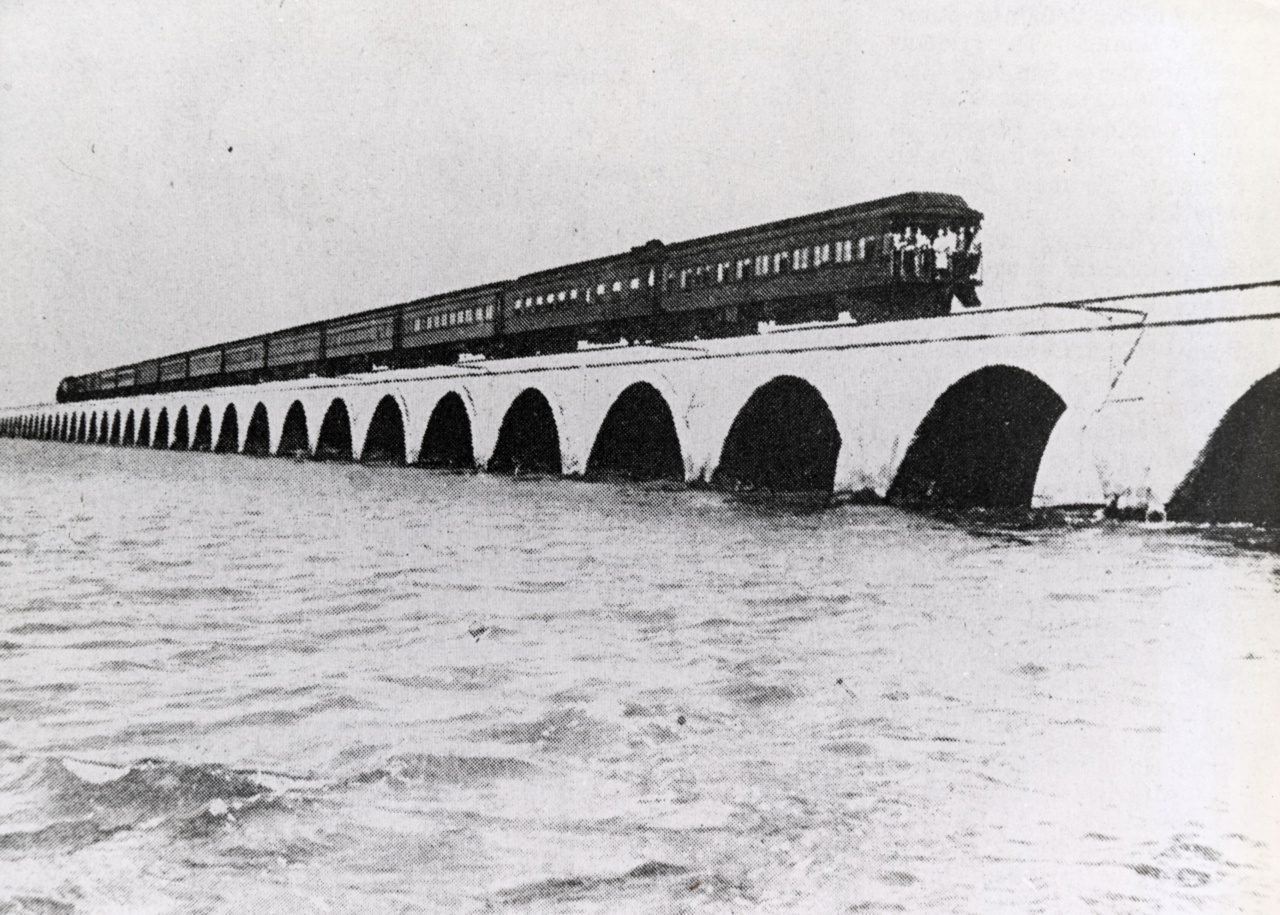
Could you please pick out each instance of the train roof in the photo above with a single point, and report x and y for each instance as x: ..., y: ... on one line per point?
x: 912, y: 205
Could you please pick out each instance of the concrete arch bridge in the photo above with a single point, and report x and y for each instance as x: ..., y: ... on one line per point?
x: 1150, y: 403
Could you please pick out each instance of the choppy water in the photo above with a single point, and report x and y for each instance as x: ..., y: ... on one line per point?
x: 238, y: 685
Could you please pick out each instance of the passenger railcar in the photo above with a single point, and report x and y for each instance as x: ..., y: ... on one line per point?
x: 907, y: 256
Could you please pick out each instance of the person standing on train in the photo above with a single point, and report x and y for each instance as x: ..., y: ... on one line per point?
x: 944, y: 246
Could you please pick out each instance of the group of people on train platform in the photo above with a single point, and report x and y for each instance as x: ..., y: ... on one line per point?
x: 947, y: 251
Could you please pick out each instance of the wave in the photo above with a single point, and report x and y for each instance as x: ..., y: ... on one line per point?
x: 564, y: 731
x: 431, y: 769
x: 563, y: 890
x: 72, y: 804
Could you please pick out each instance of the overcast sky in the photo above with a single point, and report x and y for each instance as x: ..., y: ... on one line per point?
x: 174, y: 174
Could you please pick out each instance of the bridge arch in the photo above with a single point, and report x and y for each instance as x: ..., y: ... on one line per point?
x: 257, y: 437
x: 638, y: 438
x: 228, y: 432
x: 1236, y: 477
x: 783, y: 439
x: 447, y: 441
x: 981, y: 443
x: 130, y: 434
x: 334, y: 441
x: 384, y: 440
x: 144, y: 429
x: 529, y: 437
x: 294, y: 438
x: 202, y: 440
x: 160, y: 437
x: 181, y: 431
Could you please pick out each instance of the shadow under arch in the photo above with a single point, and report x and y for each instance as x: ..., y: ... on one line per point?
x: 257, y: 438
x: 130, y: 434
x: 447, y: 442
x: 228, y: 432
x: 528, y: 440
x: 82, y: 434
x: 1237, y: 475
x: 334, y: 442
x: 114, y: 439
x: 181, y: 431
x: 384, y: 442
x: 784, y: 439
x: 203, y: 439
x: 93, y: 429
x: 104, y: 433
x: 160, y: 438
x: 144, y: 430
x: 638, y: 439
x: 294, y: 440
x: 981, y: 443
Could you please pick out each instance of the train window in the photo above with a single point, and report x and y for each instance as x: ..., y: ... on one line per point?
x: 573, y: 293
x: 635, y: 282
x: 762, y: 265
x: 744, y: 268
x: 563, y: 295
x: 417, y: 325
x: 653, y: 277
x: 617, y: 285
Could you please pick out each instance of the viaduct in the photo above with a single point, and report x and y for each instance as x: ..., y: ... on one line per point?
x: 1155, y: 404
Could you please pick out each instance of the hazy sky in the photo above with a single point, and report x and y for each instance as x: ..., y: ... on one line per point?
x: 179, y: 173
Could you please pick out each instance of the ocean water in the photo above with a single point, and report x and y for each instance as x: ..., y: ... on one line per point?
x: 243, y: 685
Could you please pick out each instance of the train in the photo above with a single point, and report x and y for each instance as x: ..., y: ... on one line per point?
x: 912, y: 255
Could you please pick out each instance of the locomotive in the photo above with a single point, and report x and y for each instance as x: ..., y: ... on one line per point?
x: 901, y: 257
